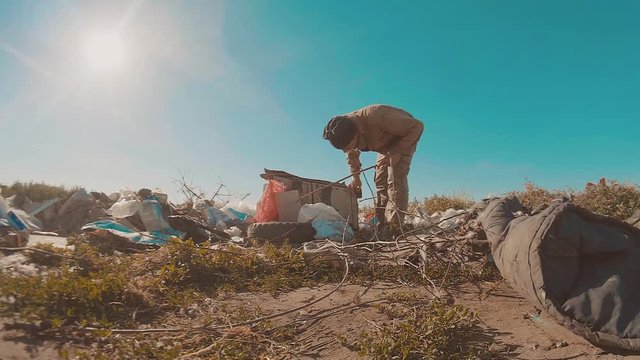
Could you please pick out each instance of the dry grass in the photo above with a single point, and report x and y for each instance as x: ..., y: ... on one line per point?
x: 609, y: 198
x: 36, y: 191
x: 533, y: 196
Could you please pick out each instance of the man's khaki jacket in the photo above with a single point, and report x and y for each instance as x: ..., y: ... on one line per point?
x: 384, y: 129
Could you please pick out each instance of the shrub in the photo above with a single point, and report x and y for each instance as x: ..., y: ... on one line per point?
x: 533, y: 196
x: 37, y: 191
x: 82, y: 287
x: 65, y: 296
x: 420, y: 331
x: 610, y: 198
x: 270, y: 269
x: 436, y: 203
x: 607, y: 197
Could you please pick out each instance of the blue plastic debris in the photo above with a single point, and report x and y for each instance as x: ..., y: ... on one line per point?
x: 149, y: 238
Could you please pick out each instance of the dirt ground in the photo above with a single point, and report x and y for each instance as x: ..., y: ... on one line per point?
x: 510, y: 325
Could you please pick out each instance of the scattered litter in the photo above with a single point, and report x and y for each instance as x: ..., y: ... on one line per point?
x: 18, y: 264
x: 311, y: 191
x: 148, y: 238
x: 195, y: 230
x: 238, y: 240
x: 124, y: 208
x: 215, y: 216
x: 43, y: 206
x: 21, y: 221
x: 233, y: 231
x: 267, y: 209
x: 449, y: 219
x: 151, y: 215
x: 327, y: 222
x: 4, y: 207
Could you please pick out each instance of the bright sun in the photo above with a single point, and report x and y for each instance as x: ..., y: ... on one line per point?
x: 104, y: 51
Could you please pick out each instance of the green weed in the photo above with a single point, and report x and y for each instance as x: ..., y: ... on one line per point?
x: 420, y: 329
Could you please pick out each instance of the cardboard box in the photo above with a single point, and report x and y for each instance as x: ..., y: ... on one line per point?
x: 288, y: 205
x: 336, y: 195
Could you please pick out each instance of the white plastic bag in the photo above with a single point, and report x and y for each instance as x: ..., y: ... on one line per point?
x: 151, y: 214
x: 114, y: 196
x: 308, y: 212
x: 124, y: 208
x: 327, y: 222
x: 233, y: 231
x: 242, y: 207
x: 449, y: 219
x: 126, y: 194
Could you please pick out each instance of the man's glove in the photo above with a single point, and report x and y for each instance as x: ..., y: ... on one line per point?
x: 356, y: 186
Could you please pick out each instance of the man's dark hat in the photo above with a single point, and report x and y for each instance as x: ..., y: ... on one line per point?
x: 340, y: 131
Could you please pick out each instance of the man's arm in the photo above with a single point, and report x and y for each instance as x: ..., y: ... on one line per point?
x: 353, y: 159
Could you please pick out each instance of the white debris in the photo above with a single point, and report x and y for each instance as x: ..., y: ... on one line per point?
x: 17, y: 264
x: 233, y: 231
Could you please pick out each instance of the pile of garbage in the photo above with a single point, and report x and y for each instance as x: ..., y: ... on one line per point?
x: 291, y: 209
x: 145, y: 217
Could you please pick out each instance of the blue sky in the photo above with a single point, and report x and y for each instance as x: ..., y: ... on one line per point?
x: 219, y: 90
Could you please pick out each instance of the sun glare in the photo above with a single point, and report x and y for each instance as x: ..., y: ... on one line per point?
x: 104, y: 51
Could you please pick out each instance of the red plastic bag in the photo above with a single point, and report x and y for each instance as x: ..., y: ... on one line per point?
x: 266, y: 209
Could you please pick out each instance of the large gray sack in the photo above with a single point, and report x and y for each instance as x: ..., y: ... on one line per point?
x: 582, y: 268
x: 635, y: 219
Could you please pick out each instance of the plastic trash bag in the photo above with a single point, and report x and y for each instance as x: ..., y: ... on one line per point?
x: 234, y: 214
x: 233, y: 231
x: 448, y: 220
x: 244, y: 207
x: 149, y: 238
x: 124, y: 208
x: 126, y: 194
x: 4, y: 208
x: 327, y: 222
x: 114, y: 196
x: 151, y: 215
x: 215, y: 216
x: 267, y: 210
x: 80, y: 199
x: 239, y: 210
x: 21, y: 221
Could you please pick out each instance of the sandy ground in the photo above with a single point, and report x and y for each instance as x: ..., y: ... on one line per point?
x: 510, y: 325
x: 16, y: 344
